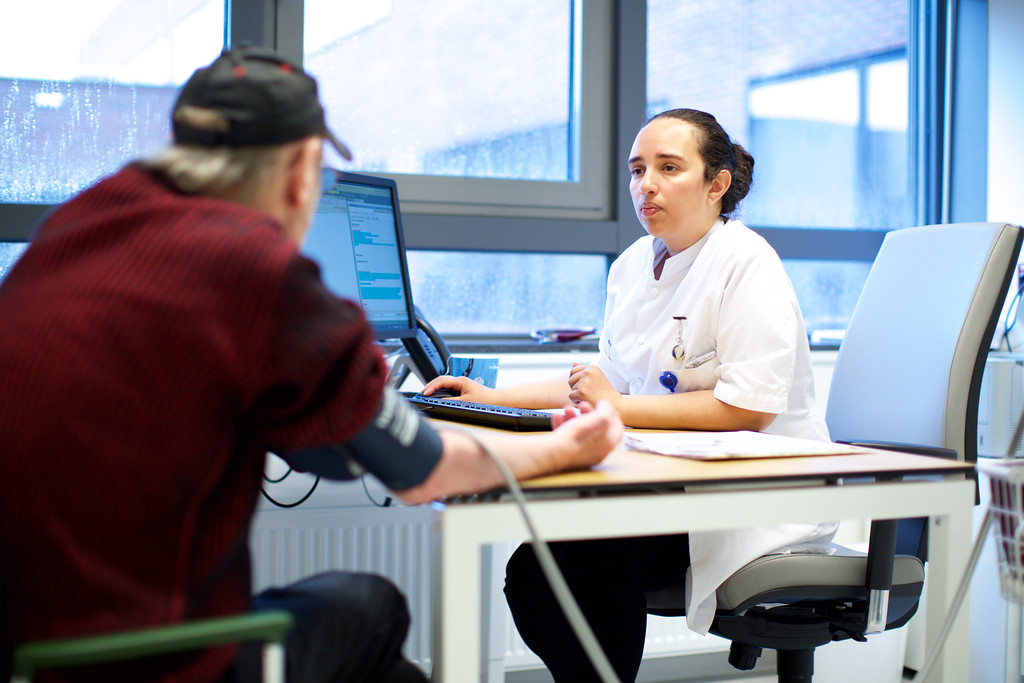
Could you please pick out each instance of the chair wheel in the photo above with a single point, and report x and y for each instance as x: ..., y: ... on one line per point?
x: 743, y: 657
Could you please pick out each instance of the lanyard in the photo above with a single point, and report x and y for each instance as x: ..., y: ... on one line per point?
x: 668, y: 379
x: 679, y: 348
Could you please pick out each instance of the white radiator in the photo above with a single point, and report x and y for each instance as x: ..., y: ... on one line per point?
x: 335, y: 529
x: 1000, y: 403
x: 288, y: 545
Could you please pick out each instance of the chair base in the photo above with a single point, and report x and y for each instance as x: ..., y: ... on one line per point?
x: 795, y: 666
x: 791, y: 633
x: 780, y: 631
x: 792, y: 666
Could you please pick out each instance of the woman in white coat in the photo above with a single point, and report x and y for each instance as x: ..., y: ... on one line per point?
x: 702, y: 331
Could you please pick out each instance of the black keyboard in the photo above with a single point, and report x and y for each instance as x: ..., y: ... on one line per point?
x: 519, y: 419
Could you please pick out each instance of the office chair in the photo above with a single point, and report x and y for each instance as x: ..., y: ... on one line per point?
x: 268, y: 627
x: 907, y: 377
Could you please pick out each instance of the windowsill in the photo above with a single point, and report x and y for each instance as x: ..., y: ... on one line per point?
x: 523, y: 345
x: 482, y: 345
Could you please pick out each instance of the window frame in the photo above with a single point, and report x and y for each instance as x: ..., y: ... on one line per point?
x: 517, y: 215
x: 590, y: 113
x: 454, y: 226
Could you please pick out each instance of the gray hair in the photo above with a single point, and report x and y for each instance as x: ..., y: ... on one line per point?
x: 235, y: 172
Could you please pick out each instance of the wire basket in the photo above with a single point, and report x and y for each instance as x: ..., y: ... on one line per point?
x: 1007, y: 510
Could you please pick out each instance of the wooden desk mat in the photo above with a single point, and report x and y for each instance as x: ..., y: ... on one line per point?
x: 624, y: 468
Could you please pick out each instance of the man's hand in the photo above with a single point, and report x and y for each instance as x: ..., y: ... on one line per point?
x: 593, y: 431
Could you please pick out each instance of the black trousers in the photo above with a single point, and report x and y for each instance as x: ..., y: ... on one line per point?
x: 609, y: 579
x: 349, y: 628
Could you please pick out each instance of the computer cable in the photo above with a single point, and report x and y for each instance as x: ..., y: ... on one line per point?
x: 278, y: 503
x: 563, y: 595
x: 297, y: 503
x: 279, y: 479
x: 1011, y: 315
x: 386, y: 503
x: 387, y: 499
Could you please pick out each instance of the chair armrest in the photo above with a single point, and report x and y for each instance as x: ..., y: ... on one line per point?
x: 878, y: 572
x: 883, y: 538
x: 881, y: 555
x: 268, y: 626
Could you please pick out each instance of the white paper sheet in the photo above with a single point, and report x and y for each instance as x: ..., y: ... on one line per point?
x: 730, y: 445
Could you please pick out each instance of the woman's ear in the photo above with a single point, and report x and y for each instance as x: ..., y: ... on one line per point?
x: 719, y: 186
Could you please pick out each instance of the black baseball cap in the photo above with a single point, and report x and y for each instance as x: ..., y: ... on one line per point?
x: 264, y: 98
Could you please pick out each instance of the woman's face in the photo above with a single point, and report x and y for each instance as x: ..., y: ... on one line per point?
x: 671, y: 198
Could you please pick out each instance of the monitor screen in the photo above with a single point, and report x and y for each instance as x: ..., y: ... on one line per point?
x: 356, y: 238
x: 10, y: 252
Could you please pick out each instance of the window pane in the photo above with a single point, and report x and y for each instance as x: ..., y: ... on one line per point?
x: 90, y: 86
x: 493, y: 293
x: 828, y: 292
x: 818, y: 92
x: 467, y: 89
x: 849, y: 125
x: 10, y: 252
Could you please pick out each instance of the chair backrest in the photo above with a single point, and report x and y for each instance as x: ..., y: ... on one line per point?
x: 909, y: 369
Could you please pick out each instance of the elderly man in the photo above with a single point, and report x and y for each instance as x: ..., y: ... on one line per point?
x: 163, y: 333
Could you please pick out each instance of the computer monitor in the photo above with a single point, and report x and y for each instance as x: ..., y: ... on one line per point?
x: 356, y: 238
x: 10, y: 251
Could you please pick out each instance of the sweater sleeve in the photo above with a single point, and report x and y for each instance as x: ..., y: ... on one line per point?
x: 322, y: 377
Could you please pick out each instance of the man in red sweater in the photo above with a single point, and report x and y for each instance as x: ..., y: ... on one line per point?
x: 163, y: 333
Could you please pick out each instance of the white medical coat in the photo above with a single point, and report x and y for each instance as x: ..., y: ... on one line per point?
x: 744, y: 338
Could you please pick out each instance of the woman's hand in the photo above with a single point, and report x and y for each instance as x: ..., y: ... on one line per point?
x: 462, y: 388
x: 588, y: 383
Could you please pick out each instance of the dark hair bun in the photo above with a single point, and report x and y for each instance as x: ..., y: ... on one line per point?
x: 742, y: 177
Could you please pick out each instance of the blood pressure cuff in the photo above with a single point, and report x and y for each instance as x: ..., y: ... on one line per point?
x: 397, y: 447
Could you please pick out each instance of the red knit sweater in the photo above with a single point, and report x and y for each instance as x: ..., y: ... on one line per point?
x: 154, y: 346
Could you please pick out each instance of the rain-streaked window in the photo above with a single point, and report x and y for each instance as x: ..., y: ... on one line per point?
x: 819, y: 94
x: 87, y: 86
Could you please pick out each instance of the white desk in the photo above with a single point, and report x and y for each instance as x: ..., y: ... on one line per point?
x: 732, y: 494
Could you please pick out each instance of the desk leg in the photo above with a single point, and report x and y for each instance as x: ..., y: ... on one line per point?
x: 948, y: 551
x: 456, y: 579
x: 493, y: 625
x: 1014, y: 665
